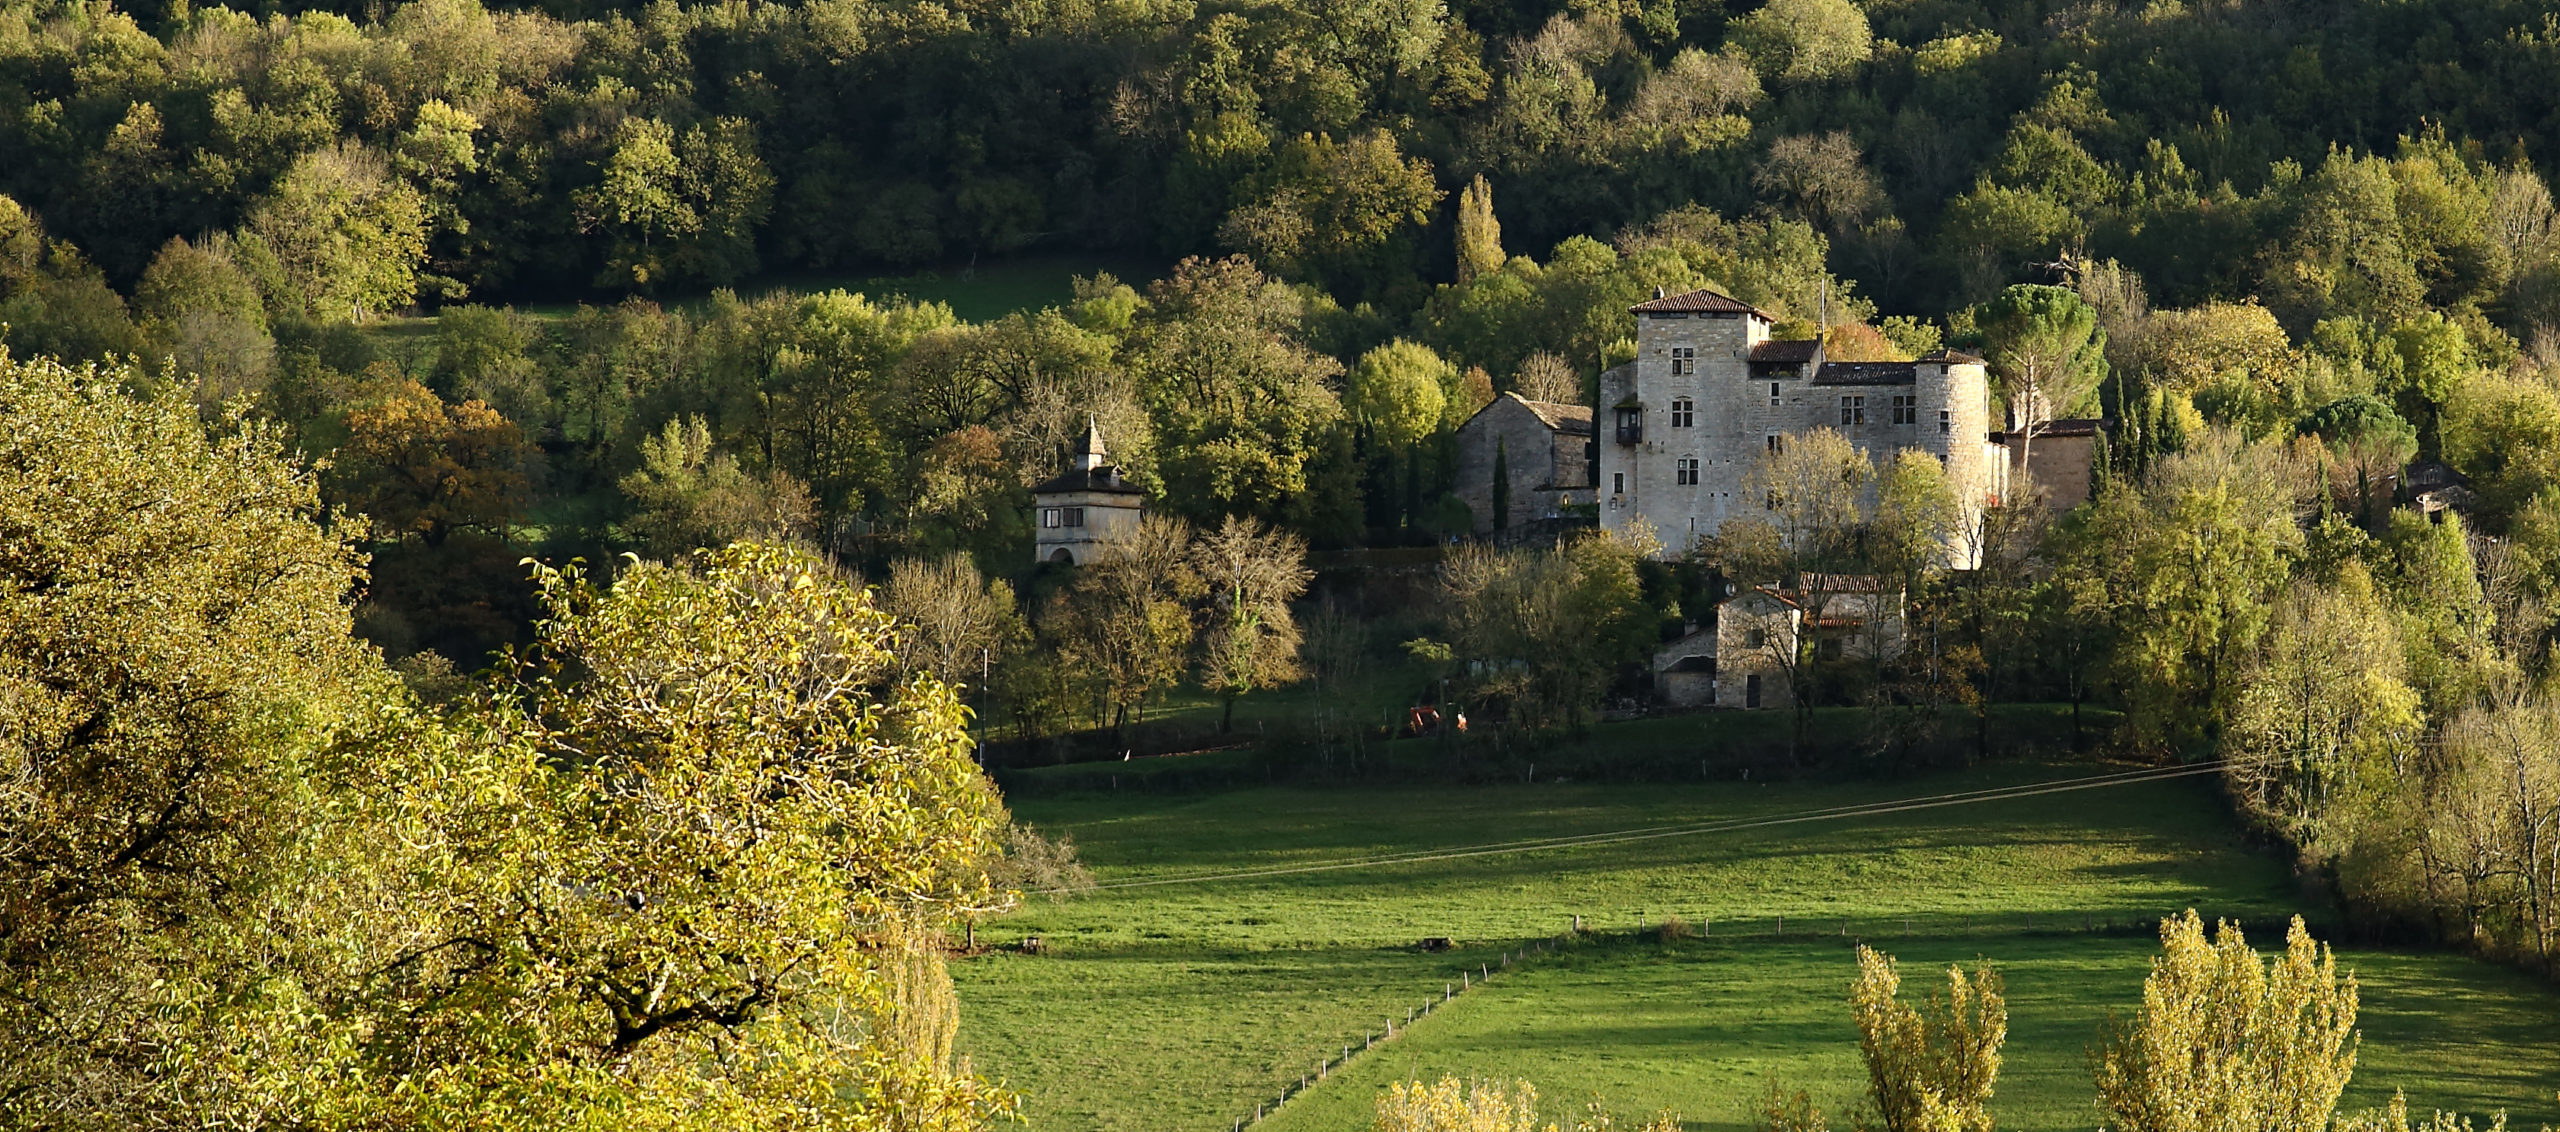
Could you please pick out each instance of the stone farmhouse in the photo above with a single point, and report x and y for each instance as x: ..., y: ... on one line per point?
x: 1543, y: 452
x: 1084, y: 506
x: 1747, y: 656
x: 1709, y: 393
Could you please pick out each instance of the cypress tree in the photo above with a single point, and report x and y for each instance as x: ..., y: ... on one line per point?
x: 2101, y: 465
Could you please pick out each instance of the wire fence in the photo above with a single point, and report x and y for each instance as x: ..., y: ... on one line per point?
x: 1770, y: 928
x: 1466, y: 980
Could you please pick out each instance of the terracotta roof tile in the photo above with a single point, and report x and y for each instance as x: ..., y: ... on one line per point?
x: 1701, y: 300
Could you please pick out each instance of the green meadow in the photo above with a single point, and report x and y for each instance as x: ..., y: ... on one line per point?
x: 1180, y: 1005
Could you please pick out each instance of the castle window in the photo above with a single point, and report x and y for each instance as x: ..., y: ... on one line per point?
x: 1906, y: 409
x: 1688, y: 471
x: 1756, y: 639
x: 1617, y: 483
x: 1062, y: 516
x: 1946, y: 421
x: 1773, y: 394
x: 1853, y: 410
x: 1777, y: 443
x: 1684, y: 412
x: 1684, y: 360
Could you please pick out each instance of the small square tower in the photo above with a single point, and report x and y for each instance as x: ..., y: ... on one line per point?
x: 1085, y: 506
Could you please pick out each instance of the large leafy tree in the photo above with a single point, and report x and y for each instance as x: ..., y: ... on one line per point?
x: 730, y: 825
x: 1242, y: 408
x: 1546, y: 630
x: 419, y: 466
x: 686, y: 495
x: 338, y: 238
x: 2193, y: 561
x: 2328, y: 711
x: 175, y: 668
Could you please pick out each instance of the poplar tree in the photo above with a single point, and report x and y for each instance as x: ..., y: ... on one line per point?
x: 1932, y: 1069
x: 2228, y: 1041
x: 1479, y: 234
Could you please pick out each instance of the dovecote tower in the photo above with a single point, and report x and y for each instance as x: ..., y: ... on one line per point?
x: 1084, y: 506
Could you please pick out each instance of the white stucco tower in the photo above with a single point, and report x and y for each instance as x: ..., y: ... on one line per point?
x: 1710, y: 393
x: 1085, y: 506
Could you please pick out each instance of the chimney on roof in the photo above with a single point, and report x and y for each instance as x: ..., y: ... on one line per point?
x: 1658, y: 292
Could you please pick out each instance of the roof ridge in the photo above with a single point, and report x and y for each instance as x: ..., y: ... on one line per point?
x: 1702, y: 299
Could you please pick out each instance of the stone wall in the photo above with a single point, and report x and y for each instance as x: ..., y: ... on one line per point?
x: 1534, y: 456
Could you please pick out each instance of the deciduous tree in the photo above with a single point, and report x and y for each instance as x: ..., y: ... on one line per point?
x: 2225, y: 1040
x: 175, y: 667
x: 1930, y: 1070
x: 417, y: 465
x: 1249, y: 637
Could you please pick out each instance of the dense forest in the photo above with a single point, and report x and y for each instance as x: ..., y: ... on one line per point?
x: 377, y: 381
x: 1944, y: 147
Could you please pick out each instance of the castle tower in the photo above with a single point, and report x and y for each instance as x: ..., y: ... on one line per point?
x: 1710, y: 394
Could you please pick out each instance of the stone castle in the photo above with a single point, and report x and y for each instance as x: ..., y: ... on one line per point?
x: 1710, y: 393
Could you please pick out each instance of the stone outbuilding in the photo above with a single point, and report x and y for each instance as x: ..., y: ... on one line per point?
x: 1748, y: 655
x: 2433, y: 487
x: 1684, y: 671
x: 1085, y: 506
x: 2057, y: 463
x: 1543, y: 449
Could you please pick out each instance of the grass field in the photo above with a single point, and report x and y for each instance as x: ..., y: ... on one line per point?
x: 1178, y: 1006
x: 1703, y: 1029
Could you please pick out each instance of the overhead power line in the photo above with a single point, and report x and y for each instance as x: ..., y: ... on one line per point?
x: 1654, y: 833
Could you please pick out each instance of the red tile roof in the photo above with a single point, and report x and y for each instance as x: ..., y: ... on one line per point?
x: 1699, y: 300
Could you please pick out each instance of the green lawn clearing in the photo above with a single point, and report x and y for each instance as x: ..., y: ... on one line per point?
x: 1704, y: 1028
x: 1180, y: 1006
